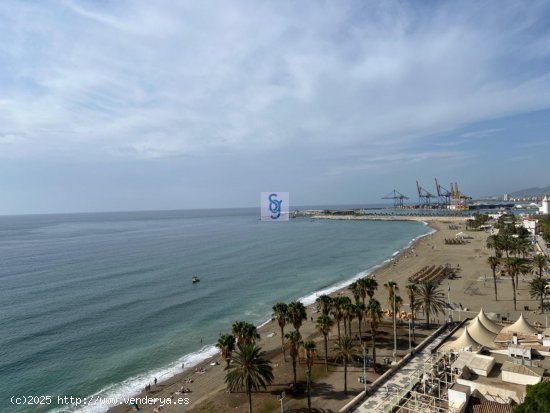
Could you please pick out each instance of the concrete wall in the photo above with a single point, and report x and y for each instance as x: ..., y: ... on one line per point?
x: 458, y: 398
x: 517, y: 378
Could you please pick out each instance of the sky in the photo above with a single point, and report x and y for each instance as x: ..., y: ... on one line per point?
x: 148, y: 105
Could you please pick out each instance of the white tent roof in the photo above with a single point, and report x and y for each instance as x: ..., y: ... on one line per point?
x: 521, y: 326
x: 465, y: 340
x: 481, y: 334
x: 488, y: 323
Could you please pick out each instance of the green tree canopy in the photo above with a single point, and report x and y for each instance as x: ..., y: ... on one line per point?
x: 296, y: 314
x: 537, y: 399
x: 249, y: 370
x: 280, y: 312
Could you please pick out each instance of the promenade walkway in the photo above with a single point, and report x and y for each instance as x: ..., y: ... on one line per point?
x: 542, y: 246
x: 400, y: 379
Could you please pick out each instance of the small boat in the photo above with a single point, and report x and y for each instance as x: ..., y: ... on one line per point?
x: 195, y: 279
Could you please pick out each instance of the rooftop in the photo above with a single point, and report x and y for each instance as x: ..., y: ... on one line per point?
x: 523, y: 369
x: 482, y: 405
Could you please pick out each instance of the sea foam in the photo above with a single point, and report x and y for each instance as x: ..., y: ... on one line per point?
x: 134, y: 385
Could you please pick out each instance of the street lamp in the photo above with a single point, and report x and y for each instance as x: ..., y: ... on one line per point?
x: 364, y: 368
x: 281, y: 398
x: 410, y: 343
x: 393, y: 285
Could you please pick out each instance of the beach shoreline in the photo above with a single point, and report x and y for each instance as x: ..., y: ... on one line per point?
x: 265, y: 328
x: 472, y: 289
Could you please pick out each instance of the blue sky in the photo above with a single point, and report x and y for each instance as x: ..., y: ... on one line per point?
x: 133, y: 105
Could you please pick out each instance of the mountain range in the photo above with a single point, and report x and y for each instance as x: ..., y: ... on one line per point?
x: 536, y: 191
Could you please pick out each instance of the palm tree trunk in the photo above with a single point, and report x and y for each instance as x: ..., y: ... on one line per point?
x: 309, y: 389
x: 326, y: 352
x: 373, y: 337
x: 294, y: 369
x: 514, y: 291
x: 427, y: 319
x: 495, y: 281
x: 542, y: 303
x: 249, y: 391
x: 360, y: 338
x: 345, y: 375
x: 338, y: 324
x: 283, y: 343
x: 413, y: 325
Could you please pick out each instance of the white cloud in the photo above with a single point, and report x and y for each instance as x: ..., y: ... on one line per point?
x: 151, y: 79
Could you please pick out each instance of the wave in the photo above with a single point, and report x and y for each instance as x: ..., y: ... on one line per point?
x: 310, y: 298
x: 134, y: 385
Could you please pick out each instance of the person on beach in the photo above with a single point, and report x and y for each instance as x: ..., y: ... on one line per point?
x: 155, y: 381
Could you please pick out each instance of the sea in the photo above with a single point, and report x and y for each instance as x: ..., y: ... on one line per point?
x: 97, y: 305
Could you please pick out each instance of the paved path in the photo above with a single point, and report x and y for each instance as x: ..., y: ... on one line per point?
x: 542, y: 246
x: 400, y: 379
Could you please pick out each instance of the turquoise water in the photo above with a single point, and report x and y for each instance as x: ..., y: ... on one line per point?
x: 101, y: 303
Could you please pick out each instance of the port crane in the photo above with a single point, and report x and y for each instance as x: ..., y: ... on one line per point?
x: 443, y: 195
x: 424, y: 197
x: 397, y: 197
x: 459, y: 201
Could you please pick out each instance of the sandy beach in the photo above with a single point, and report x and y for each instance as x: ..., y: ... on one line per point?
x: 470, y: 290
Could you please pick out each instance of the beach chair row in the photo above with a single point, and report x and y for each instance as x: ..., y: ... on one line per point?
x: 454, y: 241
x: 429, y: 274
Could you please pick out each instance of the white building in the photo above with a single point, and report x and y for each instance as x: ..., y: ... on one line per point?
x: 531, y: 225
x: 545, y: 207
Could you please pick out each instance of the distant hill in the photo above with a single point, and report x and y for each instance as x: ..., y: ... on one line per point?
x: 530, y: 192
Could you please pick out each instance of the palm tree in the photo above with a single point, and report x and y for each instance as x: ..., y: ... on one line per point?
x: 360, y: 314
x: 515, y: 267
x: 355, y: 288
x: 324, y: 302
x: 537, y: 289
x: 373, y: 313
x: 324, y: 323
x: 494, y: 243
x: 296, y: 314
x: 349, y: 315
x: 398, y: 304
x: 345, y: 349
x: 494, y: 263
x: 412, y: 290
x: 337, y: 313
x: 362, y: 287
x: 392, y: 287
x: 500, y: 243
x: 371, y: 285
x: 540, y: 261
x: 246, y: 333
x: 310, y: 349
x: 226, y: 344
x: 432, y: 300
x: 294, y: 341
x: 280, y: 311
x: 249, y: 370
x: 521, y: 246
